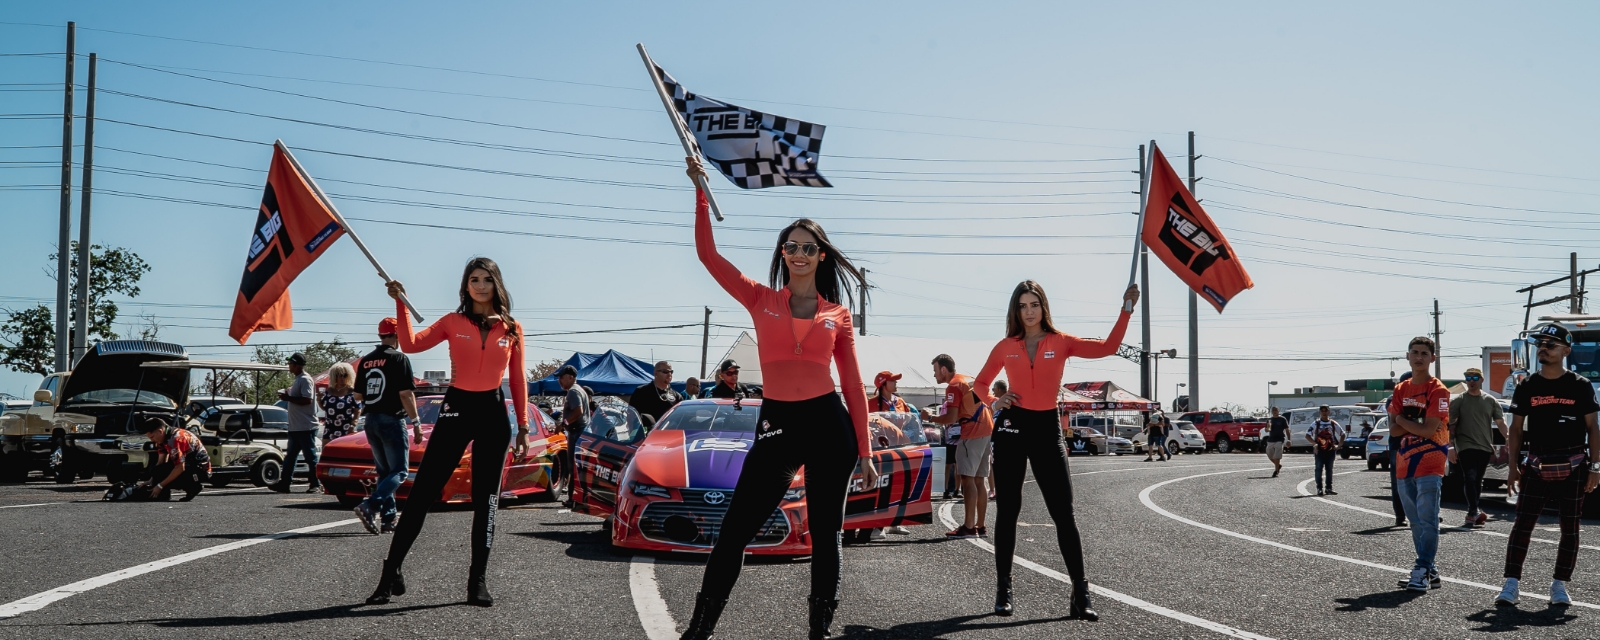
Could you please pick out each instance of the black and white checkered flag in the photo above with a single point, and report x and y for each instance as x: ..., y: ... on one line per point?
x: 753, y: 149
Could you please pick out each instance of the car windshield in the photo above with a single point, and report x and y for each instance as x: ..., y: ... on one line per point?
x: 711, y: 417
x: 123, y: 396
x: 891, y: 429
x: 428, y: 409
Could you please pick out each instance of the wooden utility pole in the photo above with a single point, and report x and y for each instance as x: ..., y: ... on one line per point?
x: 1438, y: 358
x: 80, y: 339
x: 64, y: 240
x: 861, y: 324
x: 705, y: 343
x: 1576, y: 301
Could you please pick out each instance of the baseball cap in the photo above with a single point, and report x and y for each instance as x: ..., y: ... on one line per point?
x: 885, y: 376
x: 728, y: 364
x: 388, y: 327
x: 297, y: 358
x: 1474, y: 372
x: 1552, y: 331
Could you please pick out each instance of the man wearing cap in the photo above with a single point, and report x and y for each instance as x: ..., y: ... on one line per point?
x: 1473, y: 418
x: 728, y: 385
x: 887, y: 384
x: 183, y: 464
x: 387, y: 388
x: 1325, y: 435
x: 302, y: 425
x: 654, y: 398
x: 574, y: 418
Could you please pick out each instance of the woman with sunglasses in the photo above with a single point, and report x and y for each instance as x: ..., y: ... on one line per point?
x: 800, y: 328
x: 1028, y: 428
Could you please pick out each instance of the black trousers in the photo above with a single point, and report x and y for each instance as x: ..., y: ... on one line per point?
x: 815, y: 434
x: 1473, y: 463
x: 570, y: 456
x: 1022, y: 436
x: 190, y: 479
x: 467, y: 417
x: 1394, y: 486
x: 1323, y: 468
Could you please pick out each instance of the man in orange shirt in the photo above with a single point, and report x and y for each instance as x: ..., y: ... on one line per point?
x: 1419, y: 411
x: 961, y: 406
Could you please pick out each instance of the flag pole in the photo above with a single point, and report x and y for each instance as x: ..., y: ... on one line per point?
x: 678, y: 125
x: 1138, y: 230
x: 340, y: 218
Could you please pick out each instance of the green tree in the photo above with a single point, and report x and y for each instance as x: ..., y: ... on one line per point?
x: 263, y: 387
x: 28, y: 336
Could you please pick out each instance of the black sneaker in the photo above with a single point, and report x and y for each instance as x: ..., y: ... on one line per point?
x: 1319, y: 492
x: 190, y: 493
x: 1433, y: 581
x: 1331, y: 492
x: 282, y: 487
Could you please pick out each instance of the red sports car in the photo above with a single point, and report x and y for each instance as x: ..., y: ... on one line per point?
x: 346, y: 468
x: 668, y: 489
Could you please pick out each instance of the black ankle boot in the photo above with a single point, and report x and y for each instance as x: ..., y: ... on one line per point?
x: 390, y: 583
x: 822, y: 616
x: 1002, y: 597
x: 1080, y: 603
x: 478, y: 591
x: 704, y: 622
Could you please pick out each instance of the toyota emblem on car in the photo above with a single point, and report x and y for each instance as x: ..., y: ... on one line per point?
x: 716, y: 497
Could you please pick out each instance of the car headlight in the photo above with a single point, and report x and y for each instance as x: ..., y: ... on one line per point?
x: 83, y: 427
x: 642, y: 489
x: 794, y: 493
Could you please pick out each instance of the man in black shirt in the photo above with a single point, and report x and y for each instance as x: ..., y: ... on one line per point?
x: 387, y: 390
x: 1277, y: 438
x: 656, y: 397
x: 1559, y: 411
x: 728, y: 385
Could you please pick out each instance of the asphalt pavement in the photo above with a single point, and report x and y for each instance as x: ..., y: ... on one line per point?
x: 1202, y: 546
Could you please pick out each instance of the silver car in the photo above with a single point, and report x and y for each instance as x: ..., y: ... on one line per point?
x: 1378, y: 445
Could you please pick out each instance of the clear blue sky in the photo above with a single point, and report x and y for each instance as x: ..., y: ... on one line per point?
x: 1364, y: 158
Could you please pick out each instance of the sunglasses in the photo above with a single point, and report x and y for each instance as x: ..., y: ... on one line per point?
x: 1550, y: 344
x: 807, y: 249
x: 1474, y: 378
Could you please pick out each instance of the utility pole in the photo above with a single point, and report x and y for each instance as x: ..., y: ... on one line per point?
x: 861, y: 324
x: 1438, y: 360
x: 1147, y: 380
x: 1576, y: 303
x: 80, y: 340
x: 705, y: 343
x: 64, y: 240
x: 1194, y: 308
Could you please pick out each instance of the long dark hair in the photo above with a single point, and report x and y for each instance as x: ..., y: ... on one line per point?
x: 501, y: 302
x: 835, y: 273
x: 1014, y: 328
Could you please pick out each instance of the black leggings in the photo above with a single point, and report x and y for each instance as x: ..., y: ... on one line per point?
x: 1021, y: 435
x: 815, y: 434
x: 477, y: 417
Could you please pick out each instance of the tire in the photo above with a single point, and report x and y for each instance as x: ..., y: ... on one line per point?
x: 266, y: 471
x: 218, y: 483
x: 1344, y: 456
x: 1372, y: 465
x: 350, y: 502
x: 1173, y: 448
x: 13, y: 469
x: 1089, y: 449
x: 86, y: 474
x: 1224, y: 445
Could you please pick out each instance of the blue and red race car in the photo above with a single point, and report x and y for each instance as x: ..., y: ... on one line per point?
x: 667, y: 489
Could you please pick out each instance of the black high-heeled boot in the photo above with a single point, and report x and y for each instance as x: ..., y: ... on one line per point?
x: 1002, y: 597
x: 1080, y: 603
x: 478, y: 591
x: 391, y: 583
x: 822, y: 616
x: 704, y: 621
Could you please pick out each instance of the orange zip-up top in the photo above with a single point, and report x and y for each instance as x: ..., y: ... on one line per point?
x: 794, y: 363
x: 476, y: 362
x: 1037, y: 382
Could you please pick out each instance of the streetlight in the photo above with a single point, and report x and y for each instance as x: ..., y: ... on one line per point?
x: 1270, y: 385
x: 1170, y: 353
x: 1176, y: 391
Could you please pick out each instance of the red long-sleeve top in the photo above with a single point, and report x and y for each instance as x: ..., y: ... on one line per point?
x: 794, y: 364
x: 476, y: 361
x: 1037, y: 381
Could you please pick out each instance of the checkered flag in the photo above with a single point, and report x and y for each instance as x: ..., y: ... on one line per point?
x: 753, y: 149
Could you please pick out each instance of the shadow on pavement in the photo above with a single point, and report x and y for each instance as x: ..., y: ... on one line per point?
x: 336, y: 612
x: 1512, y: 618
x: 247, y: 536
x: 1378, y: 531
x: 940, y: 628
x: 1380, y: 600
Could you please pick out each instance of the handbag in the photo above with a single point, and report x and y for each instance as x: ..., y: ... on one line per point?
x: 1556, y: 467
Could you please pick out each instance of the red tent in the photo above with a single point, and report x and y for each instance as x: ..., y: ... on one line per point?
x: 1102, y: 396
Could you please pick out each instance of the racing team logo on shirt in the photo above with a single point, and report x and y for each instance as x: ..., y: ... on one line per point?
x: 1049, y: 354
x: 504, y: 342
x: 829, y: 324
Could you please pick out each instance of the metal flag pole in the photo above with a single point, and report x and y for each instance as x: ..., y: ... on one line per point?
x: 1138, y: 230
x: 678, y: 125
x: 340, y: 218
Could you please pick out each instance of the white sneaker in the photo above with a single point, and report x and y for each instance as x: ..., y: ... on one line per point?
x: 1508, y: 595
x: 1558, y: 594
x: 1419, y: 580
x: 878, y: 534
x: 899, y: 530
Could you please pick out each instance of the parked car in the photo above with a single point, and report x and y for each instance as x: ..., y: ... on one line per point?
x: 1300, y: 420
x: 1088, y: 440
x: 668, y: 489
x: 198, y: 405
x: 1222, y: 432
x: 346, y: 470
x: 1378, y: 445
x: 8, y: 404
x: 1183, y: 437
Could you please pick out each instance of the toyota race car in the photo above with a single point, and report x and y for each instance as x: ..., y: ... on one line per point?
x: 668, y: 489
x: 346, y: 468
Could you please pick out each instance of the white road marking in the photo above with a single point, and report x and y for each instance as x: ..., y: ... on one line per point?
x: 39, y: 601
x: 949, y: 521
x: 1304, y: 490
x: 1144, y: 497
x: 19, y: 506
x: 653, y: 614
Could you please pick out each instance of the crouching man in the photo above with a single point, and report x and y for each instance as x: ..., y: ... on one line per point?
x: 181, y: 461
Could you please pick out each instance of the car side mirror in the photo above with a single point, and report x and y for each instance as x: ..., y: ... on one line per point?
x: 1519, y: 355
x: 42, y: 395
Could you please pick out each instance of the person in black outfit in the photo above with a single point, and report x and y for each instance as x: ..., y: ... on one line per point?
x: 1277, y: 440
x: 1394, y: 461
x: 656, y: 397
x: 728, y: 386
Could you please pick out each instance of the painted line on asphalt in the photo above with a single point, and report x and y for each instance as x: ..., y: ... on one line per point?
x: 653, y: 614
x: 1304, y: 490
x: 19, y: 506
x: 1144, y: 497
x: 949, y: 521
x: 39, y: 601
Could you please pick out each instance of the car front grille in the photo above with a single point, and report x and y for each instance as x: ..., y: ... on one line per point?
x: 671, y: 522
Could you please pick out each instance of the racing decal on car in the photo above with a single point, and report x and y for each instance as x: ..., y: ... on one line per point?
x: 719, y: 444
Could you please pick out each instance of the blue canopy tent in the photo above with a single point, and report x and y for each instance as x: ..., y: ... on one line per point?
x: 610, y: 373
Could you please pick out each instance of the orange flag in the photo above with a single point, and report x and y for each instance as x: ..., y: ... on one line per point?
x: 293, y: 229
x: 1179, y: 232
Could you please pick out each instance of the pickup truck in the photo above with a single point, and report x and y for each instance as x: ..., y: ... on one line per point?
x: 1224, y: 434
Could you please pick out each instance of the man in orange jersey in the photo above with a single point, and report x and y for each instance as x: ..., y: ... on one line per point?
x: 962, y: 407
x: 1419, y: 414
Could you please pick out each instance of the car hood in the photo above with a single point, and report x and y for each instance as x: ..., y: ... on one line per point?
x: 697, y: 459
x: 115, y: 365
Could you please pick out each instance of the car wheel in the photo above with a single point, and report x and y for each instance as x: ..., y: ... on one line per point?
x: 1172, y: 448
x: 218, y: 483
x: 1089, y: 449
x: 13, y: 469
x: 1372, y: 465
x: 1224, y: 445
x: 266, y: 471
x: 1344, y: 456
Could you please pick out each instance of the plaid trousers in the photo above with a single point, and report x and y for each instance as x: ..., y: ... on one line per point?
x: 1567, y: 497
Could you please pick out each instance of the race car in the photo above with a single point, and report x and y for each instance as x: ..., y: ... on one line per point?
x: 668, y: 489
x: 346, y: 468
